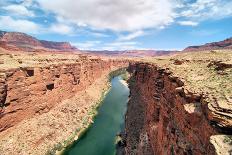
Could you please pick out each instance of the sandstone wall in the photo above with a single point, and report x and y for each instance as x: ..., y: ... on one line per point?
x: 27, y: 92
x: 163, y: 118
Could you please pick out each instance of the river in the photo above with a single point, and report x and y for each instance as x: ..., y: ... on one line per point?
x: 99, y: 139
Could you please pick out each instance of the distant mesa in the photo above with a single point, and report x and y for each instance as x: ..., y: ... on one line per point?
x: 132, y: 53
x: 26, y: 42
x: 21, y: 41
x: 225, y: 44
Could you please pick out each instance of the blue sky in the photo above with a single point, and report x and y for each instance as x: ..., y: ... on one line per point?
x: 120, y: 24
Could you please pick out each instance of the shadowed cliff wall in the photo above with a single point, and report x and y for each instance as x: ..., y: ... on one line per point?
x: 162, y: 118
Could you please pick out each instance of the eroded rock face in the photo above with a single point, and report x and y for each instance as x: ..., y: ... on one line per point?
x: 26, y: 92
x: 225, y: 44
x: 3, y: 89
x: 163, y: 118
x: 24, y: 41
x: 57, y: 45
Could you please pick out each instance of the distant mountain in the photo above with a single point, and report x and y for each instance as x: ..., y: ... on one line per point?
x: 27, y: 42
x: 225, y: 44
x: 132, y: 53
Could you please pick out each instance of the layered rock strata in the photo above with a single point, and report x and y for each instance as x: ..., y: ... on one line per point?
x: 225, y: 44
x: 26, y: 92
x: 45, y: 108
x: 14, y: 40
x: 164, y: 118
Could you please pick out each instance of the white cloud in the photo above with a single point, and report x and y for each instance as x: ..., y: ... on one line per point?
x: 28, y: 3
x: 131, y: 36
x: 127, y: 19
x: 99, y: 45
x: 207, y: 9
x: 119, y: 45
x: 188, y: 23
x: 18, y: 10
x: 135, y: 17
x: 120, y: 15
x: 88, y: 45
x: 61, y: 29
x: 98, y: 34
x: 20, y: 25
x: 26, y: 26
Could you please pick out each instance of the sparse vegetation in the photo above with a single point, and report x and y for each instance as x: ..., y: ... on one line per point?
x: 117, y: 72
x: 125, y: 76
x: 199, y: 76
x: 228, y: 139
x: 79, y: 131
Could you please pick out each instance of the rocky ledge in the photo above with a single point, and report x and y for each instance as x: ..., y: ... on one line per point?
x: 46, y: 105
x: 166, y: 117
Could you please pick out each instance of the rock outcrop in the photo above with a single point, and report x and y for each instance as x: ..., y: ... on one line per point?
x: 27, y: 42
x: 57, y: 45
x: 225, y: 44
x: 164, y: 118
x: 29, y: 91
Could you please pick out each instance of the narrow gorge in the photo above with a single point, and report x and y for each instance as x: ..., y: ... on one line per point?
x: 45, y: 107
x: 177, y: 104
x: 100, y: 137
x: 174, y: 107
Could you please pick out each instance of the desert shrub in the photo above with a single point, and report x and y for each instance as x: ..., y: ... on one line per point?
x: 58, y: 147
x: 228, y: 139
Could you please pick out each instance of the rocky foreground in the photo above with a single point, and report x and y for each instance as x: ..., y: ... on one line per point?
x: 48, y: 99
x: 181, y: 104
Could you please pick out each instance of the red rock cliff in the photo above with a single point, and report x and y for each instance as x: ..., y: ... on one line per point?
x: 162, y: 118
x: 225, y: 44
x: 25, y: 92
x: 23, y: 41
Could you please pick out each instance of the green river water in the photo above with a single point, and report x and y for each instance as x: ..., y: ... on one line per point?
x: 99, y: 139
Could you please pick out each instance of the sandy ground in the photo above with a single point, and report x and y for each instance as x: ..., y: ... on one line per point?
x: 222, y: 147
x: 38, y: 135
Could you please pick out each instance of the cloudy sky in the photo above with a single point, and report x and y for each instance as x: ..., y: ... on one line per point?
x: 120, y: 24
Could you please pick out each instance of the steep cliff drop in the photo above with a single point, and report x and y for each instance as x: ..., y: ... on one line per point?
x: 48, y: 99
x: 165, y: 118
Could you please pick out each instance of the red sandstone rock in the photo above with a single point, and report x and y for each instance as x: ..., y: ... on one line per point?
x: 225, y: 44
x: 172, y: 121
x: 25, y: 92
x: 11, y: 40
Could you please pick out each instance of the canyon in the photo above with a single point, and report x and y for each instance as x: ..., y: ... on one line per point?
x: 174, y: 108
x: 179, y: 102
x: 37, y: 95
